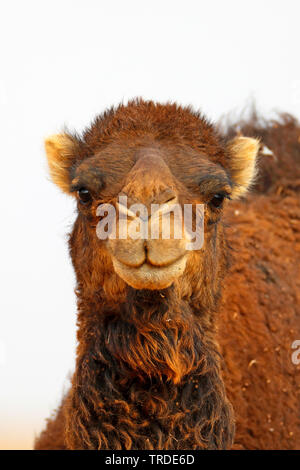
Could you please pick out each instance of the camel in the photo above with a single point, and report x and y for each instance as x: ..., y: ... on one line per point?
x: 177, y: 348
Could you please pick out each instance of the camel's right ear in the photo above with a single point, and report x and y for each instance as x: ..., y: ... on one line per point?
x: 61, y: 151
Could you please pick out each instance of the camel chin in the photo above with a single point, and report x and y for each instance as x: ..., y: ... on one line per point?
x: 148, y: 276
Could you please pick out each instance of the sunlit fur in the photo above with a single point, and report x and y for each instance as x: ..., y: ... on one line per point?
x: 148, y: 367
x: 61, y: 153
x: 260, y: 311
x: 242, y: 166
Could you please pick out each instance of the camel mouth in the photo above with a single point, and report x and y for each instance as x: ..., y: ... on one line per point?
x: 149, y: 276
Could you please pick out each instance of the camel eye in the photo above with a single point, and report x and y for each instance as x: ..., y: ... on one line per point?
x: 217, y: 200
x: 84, y: 196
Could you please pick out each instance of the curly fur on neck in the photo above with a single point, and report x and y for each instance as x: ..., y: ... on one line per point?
x: 147, y: 378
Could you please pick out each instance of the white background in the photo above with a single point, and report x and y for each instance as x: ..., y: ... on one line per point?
x: 62, y: 62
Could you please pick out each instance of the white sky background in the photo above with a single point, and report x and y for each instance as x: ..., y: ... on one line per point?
x: 62, y: 62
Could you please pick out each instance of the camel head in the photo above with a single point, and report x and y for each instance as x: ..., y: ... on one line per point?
x: 133, y: 173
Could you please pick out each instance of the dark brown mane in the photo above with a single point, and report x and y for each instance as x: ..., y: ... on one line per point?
x: 135, y: 359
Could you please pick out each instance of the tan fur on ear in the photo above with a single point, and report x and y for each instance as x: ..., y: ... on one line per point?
x: 61, y: 153
x: 242, y: 163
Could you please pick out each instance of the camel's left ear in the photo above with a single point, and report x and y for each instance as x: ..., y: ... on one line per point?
x: 242, y: 153
x: 61, y: 151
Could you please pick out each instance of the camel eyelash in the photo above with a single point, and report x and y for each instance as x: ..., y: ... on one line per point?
x: 77, y: 187
x: 216, y: 201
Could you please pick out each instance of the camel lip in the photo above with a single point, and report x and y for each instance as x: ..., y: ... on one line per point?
x: 149, y: 264
x: 148, y: 276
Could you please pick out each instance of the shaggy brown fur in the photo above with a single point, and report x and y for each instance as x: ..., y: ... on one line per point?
x: 148, y: 369
x: 260, y: 316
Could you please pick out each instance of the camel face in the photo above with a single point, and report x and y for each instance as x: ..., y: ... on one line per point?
x: 164, y: 175
x: 154, y: 258
x: 163, y: 201
x: 155, y: 198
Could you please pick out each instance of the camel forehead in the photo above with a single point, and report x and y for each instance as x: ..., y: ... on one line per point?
x: 163, y: 122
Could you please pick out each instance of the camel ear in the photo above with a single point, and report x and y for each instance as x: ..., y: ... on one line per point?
x: 242, y: 163
x: 61, y: 155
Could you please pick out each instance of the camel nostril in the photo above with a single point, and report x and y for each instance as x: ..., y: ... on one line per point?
x: 166, y: 197
x: 146, y: 249
x: 172, y: 199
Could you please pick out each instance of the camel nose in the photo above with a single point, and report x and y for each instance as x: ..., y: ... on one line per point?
x: 165, y: 196
x: 150, y: 181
